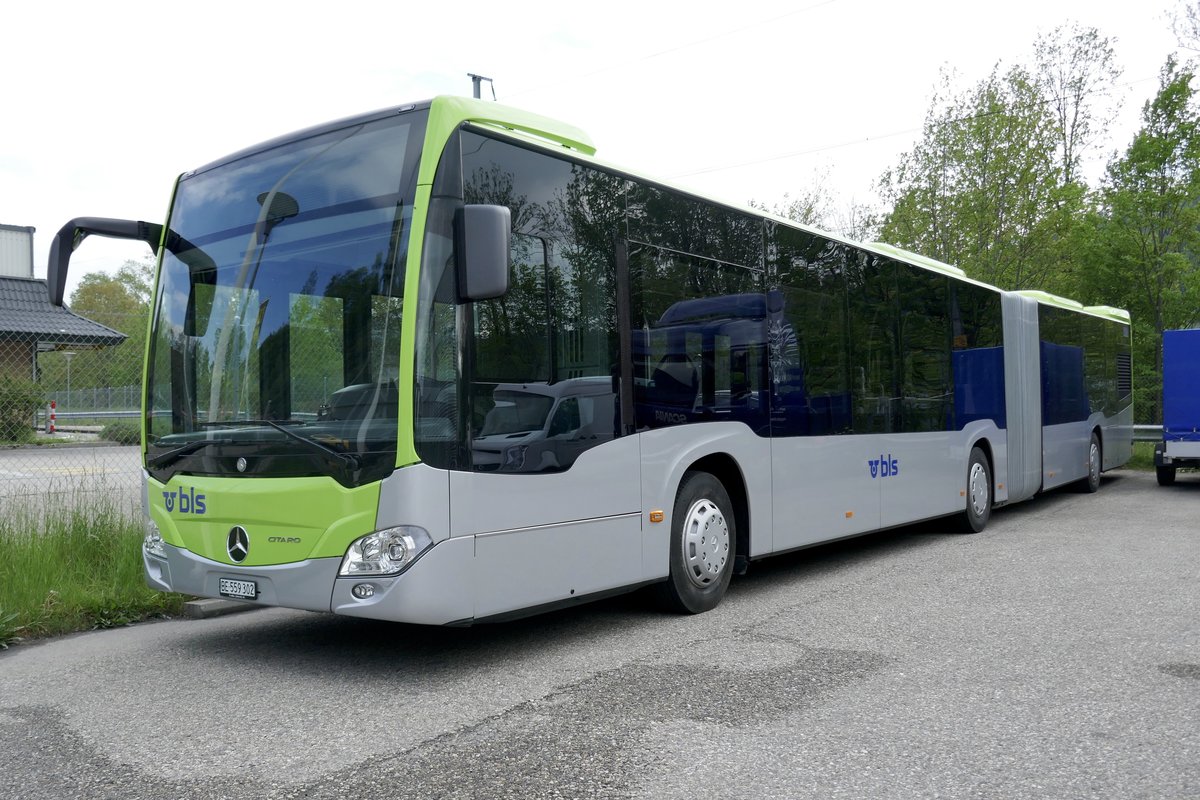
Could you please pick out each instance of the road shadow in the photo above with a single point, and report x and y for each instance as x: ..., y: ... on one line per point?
x: 1185, y: 481
x: 329, y: 642
x: 336, y: 642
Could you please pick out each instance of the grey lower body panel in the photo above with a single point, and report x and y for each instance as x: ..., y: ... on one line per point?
x: 304, y: 584
x: 448, y: 583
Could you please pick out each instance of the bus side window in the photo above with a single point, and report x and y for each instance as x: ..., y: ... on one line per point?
x: 552, y: 337
x: 699, y: 340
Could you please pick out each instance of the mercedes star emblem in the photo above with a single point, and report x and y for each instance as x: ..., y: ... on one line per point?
x: 241, y: 465
x: 238, y: 544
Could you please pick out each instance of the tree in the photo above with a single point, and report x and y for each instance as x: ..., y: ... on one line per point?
x: 119, y: 301
x: 857, y: 221
x: 1074, y: 70
x: 1186, y: 25
x: 812, y: 207
x: 995, y: 184
x: 976, y: 190
x: 1148, y: 243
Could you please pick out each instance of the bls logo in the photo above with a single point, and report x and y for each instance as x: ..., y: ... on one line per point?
x: 884, y: 467
x: 188, y: 501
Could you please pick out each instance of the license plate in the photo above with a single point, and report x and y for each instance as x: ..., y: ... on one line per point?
x: 243, y: 590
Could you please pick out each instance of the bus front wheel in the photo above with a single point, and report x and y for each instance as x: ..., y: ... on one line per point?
x: 979, y: 493
x: 703, y: 544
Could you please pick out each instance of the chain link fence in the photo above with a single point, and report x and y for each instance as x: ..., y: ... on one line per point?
x: 69, y: 414
x: 70, y: 401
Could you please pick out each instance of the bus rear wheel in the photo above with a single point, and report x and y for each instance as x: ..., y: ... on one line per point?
x: 703, y: 544
x: 979, y: 493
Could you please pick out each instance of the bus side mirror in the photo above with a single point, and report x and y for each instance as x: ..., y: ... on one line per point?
x: 74, y: 232
x: 483, y: 234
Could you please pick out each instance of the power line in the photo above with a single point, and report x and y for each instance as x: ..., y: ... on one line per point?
x: 674, y: 49
x: 875, y: 138
x: 794, y: 154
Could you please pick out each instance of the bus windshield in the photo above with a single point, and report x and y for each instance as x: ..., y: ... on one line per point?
x: 275, y: 342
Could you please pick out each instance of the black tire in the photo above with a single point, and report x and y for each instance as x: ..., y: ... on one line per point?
x: 703, y: 545
x: 974, y: 517
x: 1165, y: 474
x: 1091, y: 483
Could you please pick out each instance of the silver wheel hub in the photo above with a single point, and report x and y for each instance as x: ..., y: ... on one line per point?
x: 977, y: 489
x: 705, y: 542
x: 1094, y: 463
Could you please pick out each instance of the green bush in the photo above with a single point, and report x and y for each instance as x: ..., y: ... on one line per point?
x: 20, y: 399
x: 122, y: 432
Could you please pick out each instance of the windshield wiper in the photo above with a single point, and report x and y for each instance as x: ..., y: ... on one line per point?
x: 347, y: 459
x: 171, y: 456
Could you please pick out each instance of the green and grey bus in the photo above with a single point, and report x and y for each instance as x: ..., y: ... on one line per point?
x: 439, y: 364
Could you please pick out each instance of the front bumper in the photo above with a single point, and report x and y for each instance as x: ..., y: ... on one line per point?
x: 436, y: 590
x: 304, y: 584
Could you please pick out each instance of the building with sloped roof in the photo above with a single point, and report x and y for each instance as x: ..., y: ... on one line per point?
x: 29, y: 324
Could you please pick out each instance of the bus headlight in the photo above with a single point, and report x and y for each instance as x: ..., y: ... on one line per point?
x: 153, y: 542
x: 386, y: 552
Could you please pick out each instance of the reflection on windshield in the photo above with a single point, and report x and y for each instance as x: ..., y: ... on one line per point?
x: 516, y: 412
x: 283, y: 304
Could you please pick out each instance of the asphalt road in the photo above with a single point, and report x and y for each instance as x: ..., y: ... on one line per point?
x: 1056, y: 655
x: 47, y: 474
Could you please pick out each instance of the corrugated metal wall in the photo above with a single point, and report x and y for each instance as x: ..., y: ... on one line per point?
x: 16, y: 251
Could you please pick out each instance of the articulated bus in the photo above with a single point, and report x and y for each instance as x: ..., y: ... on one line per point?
x: 438, y: 364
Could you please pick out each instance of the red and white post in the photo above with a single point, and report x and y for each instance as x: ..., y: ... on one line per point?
x: 52, y: 418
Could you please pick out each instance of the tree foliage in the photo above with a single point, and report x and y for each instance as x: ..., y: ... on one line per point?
x: 1075, y: 70
x: 994, y: 184
x: 115, y: 296
x: 119, y: 301
x: 813, y: 206
x: 978, y: 187
x: 1146, y: 251
x: 857, y: 221
x: 1186, y: 25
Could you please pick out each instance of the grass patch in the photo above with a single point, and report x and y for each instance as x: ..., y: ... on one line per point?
x: 75, y: 569
x: 1143, y: 457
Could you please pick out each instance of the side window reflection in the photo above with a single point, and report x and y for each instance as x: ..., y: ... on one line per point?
x: 544, y: 355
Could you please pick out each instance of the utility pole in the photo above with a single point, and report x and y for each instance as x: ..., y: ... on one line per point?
x: 476, y: 80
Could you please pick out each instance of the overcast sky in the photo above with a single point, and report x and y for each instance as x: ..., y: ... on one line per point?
x: 104, y: 104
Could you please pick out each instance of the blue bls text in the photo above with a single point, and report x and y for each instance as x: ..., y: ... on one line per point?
x: 884, y: 467
x: 188, y: 501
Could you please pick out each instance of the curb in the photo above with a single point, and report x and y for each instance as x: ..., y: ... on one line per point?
x: 213, y: 607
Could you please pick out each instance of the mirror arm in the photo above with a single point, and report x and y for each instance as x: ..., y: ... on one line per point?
x: 78, y: 229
